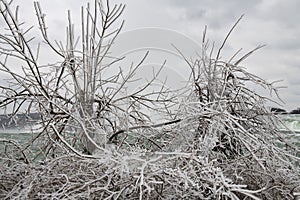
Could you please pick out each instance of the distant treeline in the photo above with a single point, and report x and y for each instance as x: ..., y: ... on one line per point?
x: 18, y: 120
x: 282, y: 111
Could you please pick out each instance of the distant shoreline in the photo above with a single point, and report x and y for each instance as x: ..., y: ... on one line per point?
x: 18, y: 121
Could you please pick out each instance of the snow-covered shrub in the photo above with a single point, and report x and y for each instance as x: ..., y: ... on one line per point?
x: 219, y: 144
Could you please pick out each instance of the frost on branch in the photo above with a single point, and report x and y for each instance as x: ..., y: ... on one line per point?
x: 97, y: 141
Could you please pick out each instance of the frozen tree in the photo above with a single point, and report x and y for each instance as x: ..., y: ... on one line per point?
x: 79, y: 103
x: 97, y: 142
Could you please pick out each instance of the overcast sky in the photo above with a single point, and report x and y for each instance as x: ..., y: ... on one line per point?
x: 271, y: 22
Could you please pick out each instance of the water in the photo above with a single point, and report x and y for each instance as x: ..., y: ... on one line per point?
x: 19, y: 139
x: 290, y: 122
x: 290, y: 126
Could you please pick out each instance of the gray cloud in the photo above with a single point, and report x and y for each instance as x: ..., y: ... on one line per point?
x: 284, y: 13
x: 274, y: 23
x: 216, y: 13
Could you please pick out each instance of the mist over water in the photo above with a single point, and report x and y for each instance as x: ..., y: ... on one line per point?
x: 290, y: 125
x: 290, y: 122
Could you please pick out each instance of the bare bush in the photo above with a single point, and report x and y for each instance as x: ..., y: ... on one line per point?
x: 97, y: 142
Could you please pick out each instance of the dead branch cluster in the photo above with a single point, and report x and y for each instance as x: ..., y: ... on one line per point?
x: 96, y: 140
